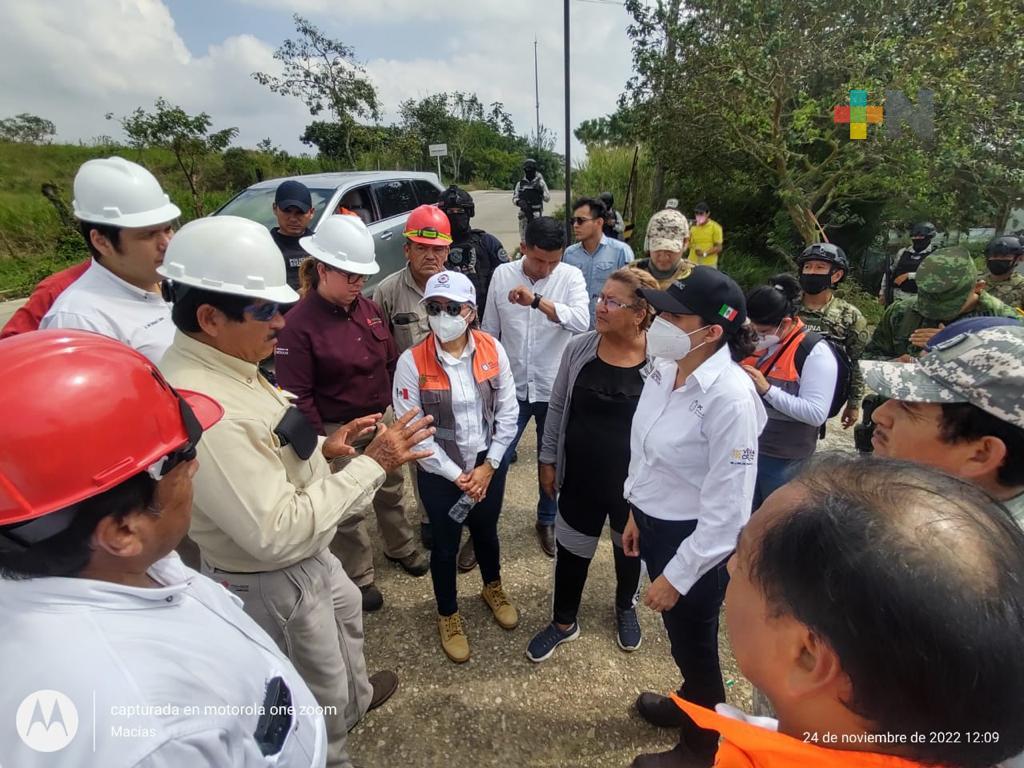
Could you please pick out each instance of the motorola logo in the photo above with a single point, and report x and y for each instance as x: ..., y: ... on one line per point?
x: 47, y: 721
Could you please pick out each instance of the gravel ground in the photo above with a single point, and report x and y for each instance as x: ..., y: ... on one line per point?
x: 575, y: 709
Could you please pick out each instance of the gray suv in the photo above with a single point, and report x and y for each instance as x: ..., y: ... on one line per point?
x: 382, y: 199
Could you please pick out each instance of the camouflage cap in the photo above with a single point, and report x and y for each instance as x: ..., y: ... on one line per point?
x: 985, y: 369
x: 667, y: 231
x: 944, y: 281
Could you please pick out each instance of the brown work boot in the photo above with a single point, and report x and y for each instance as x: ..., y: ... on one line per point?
x: 467, y: 556
x: 453, y: 637
x: 384, y: 684
x: 415, y: 563
x: 504, y: 612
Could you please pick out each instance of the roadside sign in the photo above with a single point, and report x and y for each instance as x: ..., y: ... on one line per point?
x: 438, y: 150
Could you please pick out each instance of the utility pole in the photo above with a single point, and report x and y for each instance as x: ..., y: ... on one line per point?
x: 536, y: 90
x: 568, y: 132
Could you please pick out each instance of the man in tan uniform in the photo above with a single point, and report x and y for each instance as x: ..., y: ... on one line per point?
x: 266, y: 504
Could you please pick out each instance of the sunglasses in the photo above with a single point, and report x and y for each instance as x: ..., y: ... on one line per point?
x: 263, y: 312
x: 579, y: 221
x: 350, y: 277
x: 452, y: 308
x: 429, y: 233
x: 158, y: 470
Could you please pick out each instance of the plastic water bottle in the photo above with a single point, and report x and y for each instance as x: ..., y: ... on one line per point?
x: 461, y: 508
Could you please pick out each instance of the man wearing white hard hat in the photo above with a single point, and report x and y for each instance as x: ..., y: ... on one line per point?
x: 337, y: 356
x: 266, y: 504
x: 127, y: 221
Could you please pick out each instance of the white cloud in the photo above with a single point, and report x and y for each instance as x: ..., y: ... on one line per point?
x: 72, y: 61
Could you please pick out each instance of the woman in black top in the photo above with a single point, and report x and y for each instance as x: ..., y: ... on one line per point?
x: 585, y: 456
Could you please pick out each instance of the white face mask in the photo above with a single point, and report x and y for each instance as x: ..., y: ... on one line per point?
x: 769, y: 340
x: 446, y: 327
x: 666, y: 341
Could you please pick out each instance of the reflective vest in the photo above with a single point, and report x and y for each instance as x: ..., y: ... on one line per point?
x: 745, y: 745
x: 436, y: 390
x: 784, y: 437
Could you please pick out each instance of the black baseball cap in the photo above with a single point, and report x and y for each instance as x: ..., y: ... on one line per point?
x: 293, y: 194
x: 705, y: 292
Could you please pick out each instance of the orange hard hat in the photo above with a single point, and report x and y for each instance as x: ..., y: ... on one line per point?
x: 428, y: 225
x: 82, y: 413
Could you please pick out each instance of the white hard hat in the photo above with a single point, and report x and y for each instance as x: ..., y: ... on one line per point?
x: 120, y: 193
x: 228, y: 254
x: 343, y: 242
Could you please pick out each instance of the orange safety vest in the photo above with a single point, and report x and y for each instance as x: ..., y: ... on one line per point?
x: 745, y: 745
x: 784, y: 437
x: 436, y: 390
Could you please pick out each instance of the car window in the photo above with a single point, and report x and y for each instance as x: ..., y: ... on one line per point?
x: 359, y: 201
x: 257, y: 204
x: 394, y: 198
x: 426, y: 192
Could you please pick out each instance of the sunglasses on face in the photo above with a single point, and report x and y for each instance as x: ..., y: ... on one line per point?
x: 452, y: 308
x: 263, y: 312
x: 579, y: 221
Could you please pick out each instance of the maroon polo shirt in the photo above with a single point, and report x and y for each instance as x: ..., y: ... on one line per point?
x: 339, y: 364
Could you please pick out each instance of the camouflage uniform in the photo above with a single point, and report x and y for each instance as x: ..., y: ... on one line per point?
x: 984, y: 368
x: 945, y: 281
x: 667, y: 230
x: 1008, y: 291
x: 844, y: 323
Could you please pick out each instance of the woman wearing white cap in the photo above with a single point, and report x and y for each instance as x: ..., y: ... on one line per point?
x: 461, y: 376
x: 337, y: 356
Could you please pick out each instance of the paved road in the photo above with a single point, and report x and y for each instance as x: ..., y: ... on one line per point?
x: 494, y: 213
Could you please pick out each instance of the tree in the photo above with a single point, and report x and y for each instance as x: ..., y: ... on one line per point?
x: 27, y: 129
x: 325, y: 75
x: 187, y: 136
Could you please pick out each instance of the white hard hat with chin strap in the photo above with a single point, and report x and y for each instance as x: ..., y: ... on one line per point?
x: 343, y: 242
x: 119, y: 193
x: 228, y: 254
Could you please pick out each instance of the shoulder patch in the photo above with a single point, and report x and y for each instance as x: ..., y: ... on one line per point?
x: 503, y: 255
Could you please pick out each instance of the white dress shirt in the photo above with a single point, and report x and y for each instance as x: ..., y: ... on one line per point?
x: 470, y: 431
x: 817, y: 384
x: 102, y: 302
x: 134, y: 662
x: 693, y: 456
x: 534, y: 343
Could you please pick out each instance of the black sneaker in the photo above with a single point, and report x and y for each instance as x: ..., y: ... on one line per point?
x: 373, y: 600
x: 549, y: 638
x: 627, y: 629
x: 660, y: 710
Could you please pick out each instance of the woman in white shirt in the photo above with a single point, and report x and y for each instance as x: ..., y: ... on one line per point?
x: 461, y: 376
x: 795, y: 373
x: 693, y: 462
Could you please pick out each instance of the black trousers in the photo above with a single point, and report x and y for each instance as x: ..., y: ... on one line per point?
x: 438, y: 496
x: 692, y: 624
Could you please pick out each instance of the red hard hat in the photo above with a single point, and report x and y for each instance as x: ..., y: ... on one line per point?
x: 429, y: 225
x: 82, y: 413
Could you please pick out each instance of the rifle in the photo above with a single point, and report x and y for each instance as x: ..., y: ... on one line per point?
x: 890, y: 289
x: 531, y: 200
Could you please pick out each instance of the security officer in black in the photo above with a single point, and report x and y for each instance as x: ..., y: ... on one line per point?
x: 898, y: 281
x: 473, y: 252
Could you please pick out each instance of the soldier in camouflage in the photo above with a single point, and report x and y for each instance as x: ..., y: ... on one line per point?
x: 948, y: 289
x: 1002, y: 255
x: 822, y: 266
x: 668, y: 234
x: 959, y: 408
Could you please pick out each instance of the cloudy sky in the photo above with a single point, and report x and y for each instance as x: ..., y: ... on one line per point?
x: 72, y: 61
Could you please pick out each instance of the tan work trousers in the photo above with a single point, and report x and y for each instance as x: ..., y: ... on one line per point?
x: 352, y: 542
x: 314, y: 613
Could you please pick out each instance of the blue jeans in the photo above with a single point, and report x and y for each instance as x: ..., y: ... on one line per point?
x: 772, y: 474
x: 547, y: 507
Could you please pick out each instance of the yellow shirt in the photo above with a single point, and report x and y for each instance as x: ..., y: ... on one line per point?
x: 257, y: 506
x: 702, y: 238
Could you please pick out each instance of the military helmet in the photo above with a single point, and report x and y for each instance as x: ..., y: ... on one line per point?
x: 455, y: 197
x: 1007, y: 245
x: 833, y: 254
x: 607, y: 199
x: 923, y: 229
x: 529, y: 164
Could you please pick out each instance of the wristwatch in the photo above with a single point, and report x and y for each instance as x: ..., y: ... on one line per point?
x: 536, y: 300
x: 494, y: 463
